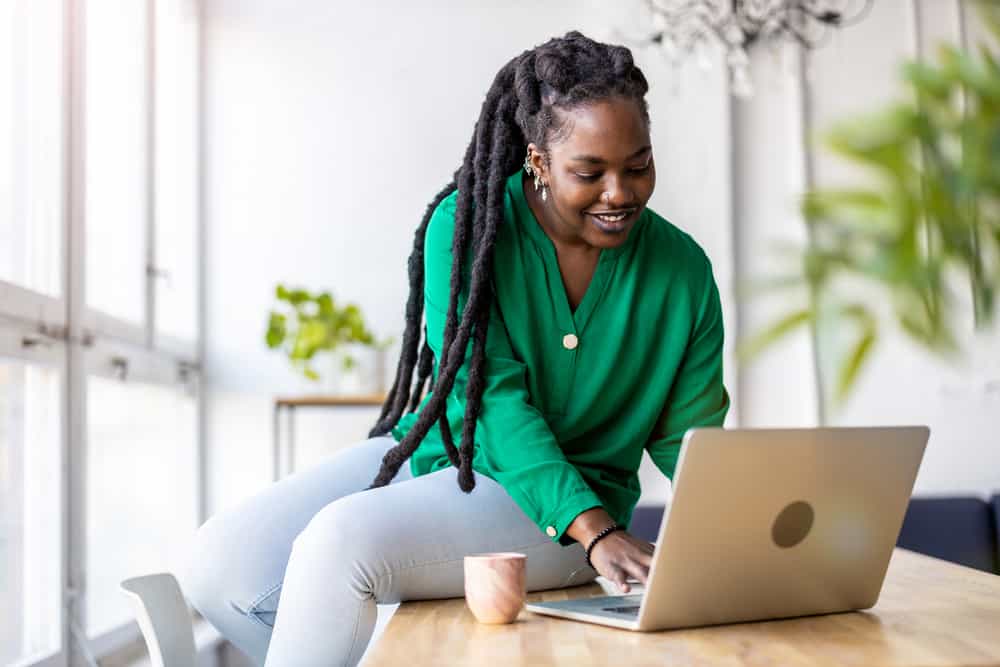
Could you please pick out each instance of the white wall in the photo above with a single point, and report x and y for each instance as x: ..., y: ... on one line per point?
x: 330, y: 125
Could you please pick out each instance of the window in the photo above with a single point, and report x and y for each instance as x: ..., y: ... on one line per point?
x: 115, y: 151
x: 31, y: 164
x: 99, y: 286
x: 176, y: 179
x: 30, y: 533
x: 141, y: 488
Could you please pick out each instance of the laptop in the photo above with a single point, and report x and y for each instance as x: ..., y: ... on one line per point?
x: 767, y: 524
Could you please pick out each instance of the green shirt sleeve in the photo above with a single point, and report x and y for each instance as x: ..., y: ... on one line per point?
x: 698, y: 396
x: 512, y: 434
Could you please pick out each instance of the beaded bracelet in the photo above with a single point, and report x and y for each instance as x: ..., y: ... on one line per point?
x: 604, y: 533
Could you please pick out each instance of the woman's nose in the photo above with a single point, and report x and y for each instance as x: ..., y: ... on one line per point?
x: 617, y: 194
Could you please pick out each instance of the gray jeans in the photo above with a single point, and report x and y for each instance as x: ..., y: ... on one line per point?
x: 329, y: 551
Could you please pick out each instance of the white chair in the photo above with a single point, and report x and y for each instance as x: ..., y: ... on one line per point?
x: 163, y: 617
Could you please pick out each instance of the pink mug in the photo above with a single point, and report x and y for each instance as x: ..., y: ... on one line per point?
x: 495, y: 588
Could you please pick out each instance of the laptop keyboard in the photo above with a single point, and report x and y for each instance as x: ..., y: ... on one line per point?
x: 628, y: 605
x: 630, y: 610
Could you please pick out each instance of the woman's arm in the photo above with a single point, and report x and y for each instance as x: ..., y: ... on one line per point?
x: 698, y: 396
x: 513, y: 436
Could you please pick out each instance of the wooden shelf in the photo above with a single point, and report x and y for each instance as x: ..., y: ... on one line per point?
x: 321, y: 400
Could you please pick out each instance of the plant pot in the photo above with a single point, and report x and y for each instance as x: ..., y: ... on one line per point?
x: 367, y: 376
x: 337, y: 380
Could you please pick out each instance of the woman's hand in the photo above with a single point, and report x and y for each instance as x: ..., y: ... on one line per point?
x: 620, y: 556
x: 617, y: 556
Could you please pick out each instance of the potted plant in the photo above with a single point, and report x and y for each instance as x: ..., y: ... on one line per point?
x: 928, y: 219
x: 305, y: 324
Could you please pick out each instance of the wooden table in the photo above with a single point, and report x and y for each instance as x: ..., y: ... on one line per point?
x: 290, y: 404
x: 930, y: 612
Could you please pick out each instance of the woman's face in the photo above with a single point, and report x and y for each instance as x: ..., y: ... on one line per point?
x: 599, y: 176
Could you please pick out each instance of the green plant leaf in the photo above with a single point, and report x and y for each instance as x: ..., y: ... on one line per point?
x: 771, y: 334
x: 312, y: 334
x: 325, y: 303
x: 853, y: 363
x: 757, y: 286
x: 298, y: 296
x: 275, y: 330
x: 989, y: 14
x: 927, y: 80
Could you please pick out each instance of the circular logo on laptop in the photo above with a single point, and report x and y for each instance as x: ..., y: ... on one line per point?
x: 793, y: 524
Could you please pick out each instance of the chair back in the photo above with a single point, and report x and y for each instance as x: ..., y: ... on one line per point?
x: 163, y: 618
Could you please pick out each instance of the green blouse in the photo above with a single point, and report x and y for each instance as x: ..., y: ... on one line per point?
x: 573, y: 397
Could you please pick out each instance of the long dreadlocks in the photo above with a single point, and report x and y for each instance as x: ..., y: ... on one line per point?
x: 520, y: 108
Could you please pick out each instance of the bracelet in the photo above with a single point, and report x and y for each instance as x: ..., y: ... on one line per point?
x: 604, y: 533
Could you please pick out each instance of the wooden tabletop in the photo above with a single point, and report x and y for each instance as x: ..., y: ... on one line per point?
x: 321, y: 400
x: 930, y: 612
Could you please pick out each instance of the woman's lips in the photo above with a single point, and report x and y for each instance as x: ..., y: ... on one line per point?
x: 612, y: 221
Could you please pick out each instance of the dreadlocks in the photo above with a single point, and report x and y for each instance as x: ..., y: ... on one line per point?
x: 520, y: 108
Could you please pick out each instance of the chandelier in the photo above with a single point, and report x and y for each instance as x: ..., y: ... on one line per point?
x: 684, y: 26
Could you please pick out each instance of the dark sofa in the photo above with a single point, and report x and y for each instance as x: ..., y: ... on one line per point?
x: 961, y: 530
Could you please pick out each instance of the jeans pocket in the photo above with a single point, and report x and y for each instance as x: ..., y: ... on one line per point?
x: 262, y: 608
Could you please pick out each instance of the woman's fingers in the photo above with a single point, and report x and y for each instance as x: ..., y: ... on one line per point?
x: 620, y: 577
x: 639, y: 567
x: 630, y: 558
x: 637, y: 572
x: 623, y: 582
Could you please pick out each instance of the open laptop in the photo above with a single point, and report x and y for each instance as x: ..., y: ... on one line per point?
x: 770, y: 523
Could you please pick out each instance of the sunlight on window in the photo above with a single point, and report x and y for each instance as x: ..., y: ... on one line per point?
x: 115, y: 137
x: 30, y: 497
x: 176, y: 172
x: 141, y: 489
x: 31, y: 148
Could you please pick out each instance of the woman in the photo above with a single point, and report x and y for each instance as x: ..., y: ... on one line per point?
x: 579, y: 329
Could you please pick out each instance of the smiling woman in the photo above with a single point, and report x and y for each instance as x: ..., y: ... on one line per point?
x: 601, y: 175
x: 567, y: 329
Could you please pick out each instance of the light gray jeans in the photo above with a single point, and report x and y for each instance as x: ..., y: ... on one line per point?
x: 329, y: 551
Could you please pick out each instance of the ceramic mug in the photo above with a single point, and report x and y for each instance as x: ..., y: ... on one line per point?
x: 495, y: 588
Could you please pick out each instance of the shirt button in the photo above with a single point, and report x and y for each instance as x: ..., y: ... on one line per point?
x: 570, y: 341
x: 551, y: 531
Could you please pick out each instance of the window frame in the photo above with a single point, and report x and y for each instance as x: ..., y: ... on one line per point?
x: 63, y: 332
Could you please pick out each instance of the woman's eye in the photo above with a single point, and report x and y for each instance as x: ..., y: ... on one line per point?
x: 635, y: 170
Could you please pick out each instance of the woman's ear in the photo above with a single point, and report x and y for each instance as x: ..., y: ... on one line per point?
x: 539, y: 162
